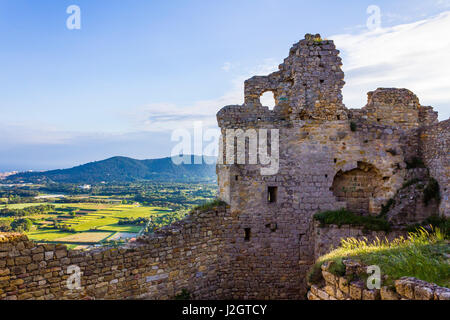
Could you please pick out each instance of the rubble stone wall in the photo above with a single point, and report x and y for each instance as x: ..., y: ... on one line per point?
x: 263, y: 244
x: 335, y: 287
x: 320, y: 141
x: 435, y: 150
x: 187, y: 255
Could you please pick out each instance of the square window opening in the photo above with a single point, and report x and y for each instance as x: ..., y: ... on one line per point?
x: 247, y: 235
x: 272, y: 194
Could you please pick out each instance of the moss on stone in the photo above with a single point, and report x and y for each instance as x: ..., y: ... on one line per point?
x: 345, y: 217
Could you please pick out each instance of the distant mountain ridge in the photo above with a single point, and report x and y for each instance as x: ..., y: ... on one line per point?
x: 123, y: 169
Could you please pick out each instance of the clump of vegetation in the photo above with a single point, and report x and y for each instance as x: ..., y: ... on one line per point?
x: 27, y: 211
x: 386, y: 207
x: 431, y: 192
x: 113, y: 243
x: 440, y: 222
x: 183, y: 295
x: 21, y: 225
x: 423, y: 255
x: 345, y: 217
x: 210, y: 205
x: 5, y: 226
x: 415, y: 162
x: 353, y: 126
x: 133, y: 221
x: 314, y: 275
x: 317, y: 40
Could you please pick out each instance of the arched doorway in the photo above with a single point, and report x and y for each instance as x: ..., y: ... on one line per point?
x: 357, y: 187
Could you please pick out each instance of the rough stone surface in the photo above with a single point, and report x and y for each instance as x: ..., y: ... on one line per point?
x: 406, y: 288
x: 330, y: 157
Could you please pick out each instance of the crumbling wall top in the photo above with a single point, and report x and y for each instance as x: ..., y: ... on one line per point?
x: 397, y: 107
x: 308, y: 84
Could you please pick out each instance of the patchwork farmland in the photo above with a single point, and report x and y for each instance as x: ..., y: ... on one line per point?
x: 87, y: 224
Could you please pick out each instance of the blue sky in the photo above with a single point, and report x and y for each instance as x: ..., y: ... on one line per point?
x: 138, y: 69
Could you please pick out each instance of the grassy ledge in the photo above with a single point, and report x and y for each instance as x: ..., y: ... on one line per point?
x: 210, y: 205
x: 423, y: 255
x: 345, y: 217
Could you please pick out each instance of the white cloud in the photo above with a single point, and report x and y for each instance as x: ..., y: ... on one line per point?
x: 413, y: 56
x: 169, y: 116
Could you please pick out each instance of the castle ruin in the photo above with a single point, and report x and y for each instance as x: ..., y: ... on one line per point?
x: 330, y: 157
x: 261, y: 245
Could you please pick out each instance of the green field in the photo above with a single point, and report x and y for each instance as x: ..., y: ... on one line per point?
x: 92, y: 223
x: 105, y: 214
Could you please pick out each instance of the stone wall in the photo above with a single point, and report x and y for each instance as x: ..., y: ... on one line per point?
x: 258, y: 248
x: 435, y: 146
x: 308, y: 84
x: 187, y: 255
x: 322, y: 146
x: 394, y: 107
x: 335, y: 287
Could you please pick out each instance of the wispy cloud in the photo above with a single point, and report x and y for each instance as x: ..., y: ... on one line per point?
x: 413, y: 56
x: 168, y: 116
x: 444, y: 4
x: 226, y: 66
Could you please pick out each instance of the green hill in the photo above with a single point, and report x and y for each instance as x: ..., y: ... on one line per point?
x: 123, y: 169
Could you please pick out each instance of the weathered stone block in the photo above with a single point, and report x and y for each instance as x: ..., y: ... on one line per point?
x: 373, y: 294
x: 344, y: 285
x: 329, y: 278
x: 388, y: 294
x: 356, y: 290
x: 405, y: 287
x: 423, y: 293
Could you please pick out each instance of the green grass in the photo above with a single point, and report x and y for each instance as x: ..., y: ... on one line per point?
x: 442, y: 223
x: 345, y: 217
x: 210, y: 204
x: 49, y: 235
x: 22, y: 205
x: 422, y: 255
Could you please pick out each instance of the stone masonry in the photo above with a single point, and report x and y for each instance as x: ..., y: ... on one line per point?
x: 329, y: 157
x: 186, y: 255
x: 334, y: 287
x: 260, y: 245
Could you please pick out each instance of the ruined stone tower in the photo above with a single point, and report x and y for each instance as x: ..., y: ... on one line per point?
x: 330, y: 157
x: 308, y: 84
x: 262, y: 243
